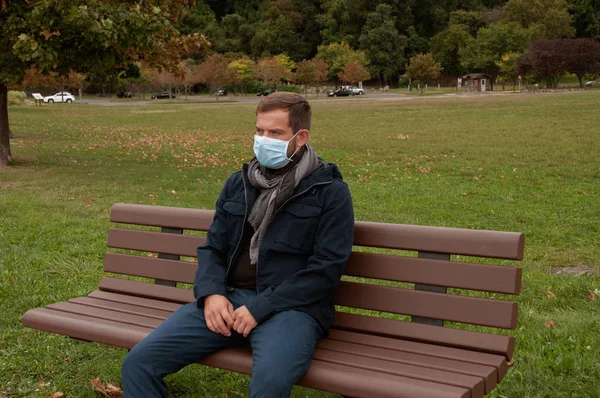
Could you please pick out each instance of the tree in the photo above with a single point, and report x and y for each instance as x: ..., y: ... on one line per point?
x: 353, y: 73
x: 242, y: 71
x: 337, y: 55
x: 93, y: 37
x: 382, y: 44
x: 321, y: 71
x: 581, y: 57
x: 447, y: 45
x: 548, y: 61
x: 491, y: 44
x: 586, y: 18
x: 423, y: 68
x: 306, y: 73
x: 271, y: 71
x: 546, y: 19
x: 508, y: 68
x: 215, y: 71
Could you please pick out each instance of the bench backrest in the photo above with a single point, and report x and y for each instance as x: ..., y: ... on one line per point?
x: 371, y: 277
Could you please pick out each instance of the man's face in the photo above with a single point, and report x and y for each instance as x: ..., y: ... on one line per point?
x: 276, y: 124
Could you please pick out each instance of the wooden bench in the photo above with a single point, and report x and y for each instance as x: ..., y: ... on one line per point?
x: 364, y: 355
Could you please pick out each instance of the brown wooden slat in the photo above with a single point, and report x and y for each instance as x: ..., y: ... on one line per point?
x: 449, y: 307
x: 490, y: 278
x: 467, y: 339
x: 162, y: 216
x: 103, y: 314
x: 433, y: 350
x: 344, y: 378
x: 130, y: 239
x: 132, y: 300
x: 147, y: 290
x: 122, y: 307
x: 468, y: 242
x: 488, y: 373
x: 494, y: 244
x: 150, y: 267
x: 475, y: 384
x: 84, y: 327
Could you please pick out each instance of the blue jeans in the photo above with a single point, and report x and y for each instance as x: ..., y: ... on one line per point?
x: 282, y: 348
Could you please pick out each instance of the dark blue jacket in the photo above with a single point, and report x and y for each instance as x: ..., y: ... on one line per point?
x: 302, y: 255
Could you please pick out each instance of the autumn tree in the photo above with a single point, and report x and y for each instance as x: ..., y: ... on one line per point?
x: 581, y: 57
x: 271, y: 71
x: 242, y: 71
x: 321, y: 71
x: 548, y: 61
x: 337, y: 55
x: 508, y: 68
x: 306, y: 74
x: 92, y: 37
x: 353, y: 73
x: 423, y: 68
x: 215, y: 71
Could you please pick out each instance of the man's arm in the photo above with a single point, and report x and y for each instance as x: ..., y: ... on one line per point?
x: 333, y: 245
x: 212, y: 255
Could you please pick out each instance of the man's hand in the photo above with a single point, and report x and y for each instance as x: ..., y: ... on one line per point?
x: 218, y: 313
x: 244, y: 321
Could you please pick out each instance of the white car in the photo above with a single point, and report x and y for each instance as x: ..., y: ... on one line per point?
x: 62, y: 96
x: 355, y: 90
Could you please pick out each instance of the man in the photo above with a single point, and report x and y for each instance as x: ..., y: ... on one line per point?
x: 275, y: 252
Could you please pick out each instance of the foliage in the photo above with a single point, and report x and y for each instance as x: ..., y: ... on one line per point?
x: 16, y: 97
x: 448, y: 44
x: 242, y: 70
x: 272, y: 71
x: 306, y: 74
x: 545, y: 19
x: 507, y: 67
x: 422, y: 67
x: 353, y: 73
x: 581, y: 56
x: 337, y: 55
x: 382, y: 44
x: 491, y: 44
x: 215, y: 71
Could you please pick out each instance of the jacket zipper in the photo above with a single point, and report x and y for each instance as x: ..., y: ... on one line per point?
x: 243, y: 227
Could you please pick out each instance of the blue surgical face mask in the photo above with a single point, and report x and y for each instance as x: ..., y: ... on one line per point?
x: 272, y: 153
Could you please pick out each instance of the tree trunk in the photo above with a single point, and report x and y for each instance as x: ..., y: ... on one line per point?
x: 5, y: 156
x: 580, y: 78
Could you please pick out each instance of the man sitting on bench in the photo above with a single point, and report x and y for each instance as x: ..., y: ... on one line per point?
x: 275, y: 252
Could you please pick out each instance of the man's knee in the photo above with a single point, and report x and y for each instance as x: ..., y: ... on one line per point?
x: 134, y: 363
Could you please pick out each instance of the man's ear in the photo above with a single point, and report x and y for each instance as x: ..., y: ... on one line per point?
x: 302, y: 137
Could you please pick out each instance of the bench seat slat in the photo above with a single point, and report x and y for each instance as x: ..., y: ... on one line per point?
x: 121, y: 307
x: 131, y: 239
x: 497, y: 361
x: 323, y: 375
x: 150, y: 267
x: 104, y: 314
x: 473, y: 383
x: 488, y: 373
x: 450, y: 337
x: 477, y: 311
x: 482, y: 277
x: 137, y: 301
x: 146, y: 290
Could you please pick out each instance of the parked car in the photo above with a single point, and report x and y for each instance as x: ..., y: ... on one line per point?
x: 356, y: 91
x: 267, y: 92
x: 124, y: 94
x: 62, y: 96
x: 340, y: 92
x: 221, y: 93
x: 590, y: 83
x: 164, y: 95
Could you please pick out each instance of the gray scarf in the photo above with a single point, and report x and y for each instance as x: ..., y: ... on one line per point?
x: 276, y: 186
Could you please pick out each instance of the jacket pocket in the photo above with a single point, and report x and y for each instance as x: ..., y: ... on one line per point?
x: 235, y: 221
x: 298, y: 225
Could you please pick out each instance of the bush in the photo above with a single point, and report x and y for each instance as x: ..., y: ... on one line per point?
x: 290, y: 88
x: 16, y: 97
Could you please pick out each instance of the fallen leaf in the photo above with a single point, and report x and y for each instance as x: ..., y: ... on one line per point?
x: 173, y: 192
x: 98, y: 385
x: 57, y: 395
x: 114, y: 391
x: 152, y: 196
x: 44, y: 384
x: 511, y: 362
x: 464, y: 194
x: 550, y: 324
x: 592, y: 296
x: 550, y: 294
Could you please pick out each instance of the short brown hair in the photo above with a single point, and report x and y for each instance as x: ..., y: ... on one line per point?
x: 296, y: 105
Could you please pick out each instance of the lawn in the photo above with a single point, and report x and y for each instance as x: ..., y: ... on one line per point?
x: 526, y: 163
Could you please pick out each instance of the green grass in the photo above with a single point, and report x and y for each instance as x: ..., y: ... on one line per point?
x: 526, y: 163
